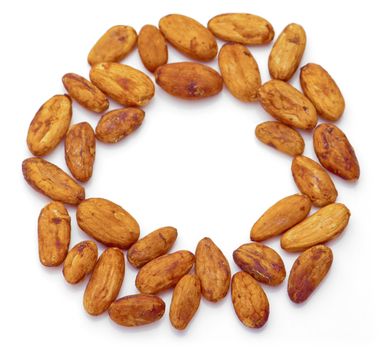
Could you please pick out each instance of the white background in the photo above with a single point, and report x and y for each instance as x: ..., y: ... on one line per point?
x: 193, y: 165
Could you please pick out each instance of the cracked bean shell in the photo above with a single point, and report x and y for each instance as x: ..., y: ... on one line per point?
x: 285, y: 103
x: 335, y: 152
x: 85, y: 93
x: 49, y: 125
x: 189, y: 80
x: 243, y: 28
x: 107, y: 222
x: 281, y: 137
x: 119, y: 123
x: 80, y: 261
x: 322, y: 91
x: 249, y: 300
x: 54, y: 228
x: 126, y: 85
x: 287, y: 52
x: 115, y: 44
x: 261, y: 262
x: 308, y: 271
x: 153, y: 245
x: 280, y: 217
x: 105, y: 282
x: 51, y: 181
x: 239, y: 71
x: 213, y: 270
x: 189, y: 37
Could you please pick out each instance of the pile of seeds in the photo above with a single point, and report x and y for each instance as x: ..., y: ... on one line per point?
x: 114, y: 227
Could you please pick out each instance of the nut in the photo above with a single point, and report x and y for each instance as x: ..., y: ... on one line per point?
x: 152, y: 246
x: 283, y: 215
x: 54, y: 234
x: 322, y: 91
x: 249, y: 300
x: 126, y: 85
x: 105, y: 282
x: 335, y: 152
x: 152, y: 48
x: 80, y: 151
x: 164, y: 272
x: 107, y: 222
x: 308, y: 271
x: 213, y: 270
x: 50, y: 180
x: 189, y: 37
x: 324, y: 225
x: 242, y: 28
x: 281, y: 137
x: 239, y: 71
x: 114, y: 45
x: 85, y: 93
x: 80, y: 261
x: 49, y: 125
x: 287, y: 52
x: 285, y: 103
x: 189, y: 80
x: 261, y: 262
x: 313, y: 181
x: 136, y: 310
x: 116, y: 125
x: 185, y: 301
